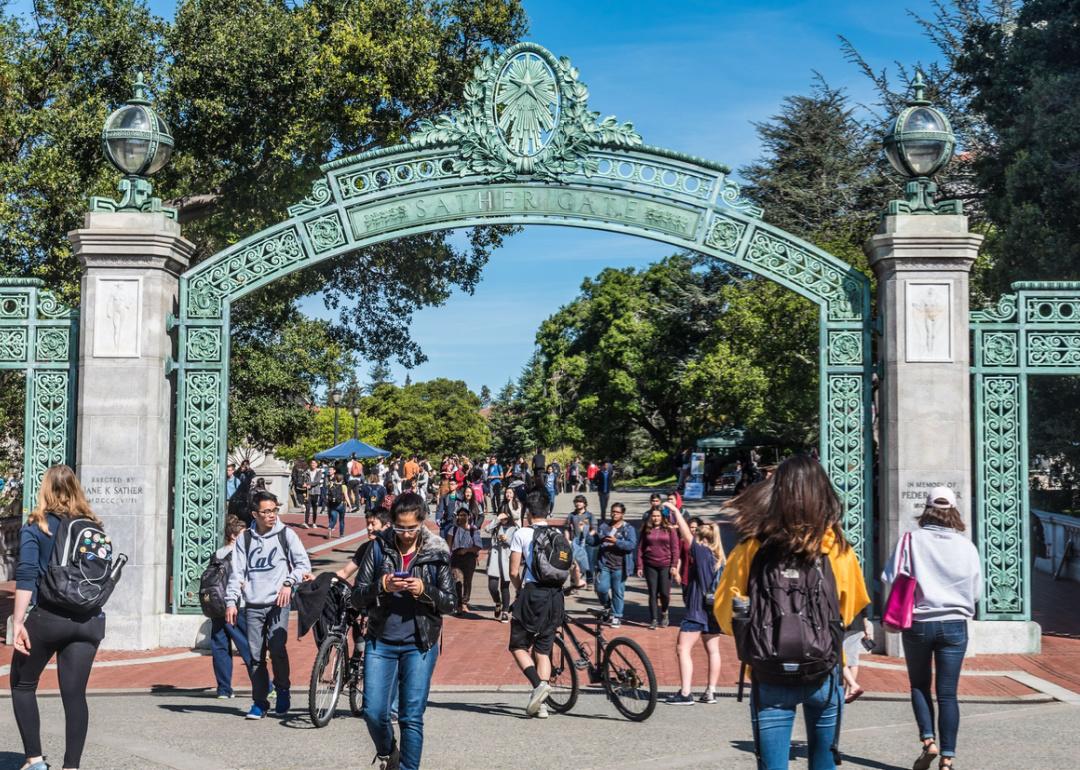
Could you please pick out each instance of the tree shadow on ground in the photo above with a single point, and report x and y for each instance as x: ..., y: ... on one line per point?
x: 798, y: 751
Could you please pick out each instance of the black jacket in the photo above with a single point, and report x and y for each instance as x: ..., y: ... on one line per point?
x: 436, y: 601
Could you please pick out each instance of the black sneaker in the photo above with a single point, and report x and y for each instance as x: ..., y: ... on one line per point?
x: 678, y: 699
x: 652, y: 625
x: 707, y: 697
x: 498, y: 612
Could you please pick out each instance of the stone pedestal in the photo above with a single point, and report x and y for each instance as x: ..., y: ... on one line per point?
x: 923, y: 263
x: 132, y: 263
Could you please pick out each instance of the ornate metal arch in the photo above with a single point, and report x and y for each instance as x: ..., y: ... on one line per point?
x: 1033, y: 331
x: 523, y: 149
x: 39, y: 335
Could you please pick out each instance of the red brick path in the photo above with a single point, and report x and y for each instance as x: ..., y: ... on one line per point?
x: 474, y: 650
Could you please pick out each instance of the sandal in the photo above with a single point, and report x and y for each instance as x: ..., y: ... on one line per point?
x: 927, y: 757
x: 854, y: 695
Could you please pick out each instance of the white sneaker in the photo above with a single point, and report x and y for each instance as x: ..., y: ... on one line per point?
x: 537, y: 698
x: 542, y: 712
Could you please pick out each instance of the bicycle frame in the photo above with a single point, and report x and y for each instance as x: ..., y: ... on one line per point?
x: 593, y: 662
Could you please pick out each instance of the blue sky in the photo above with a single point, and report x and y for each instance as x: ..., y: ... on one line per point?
x: 691, y: 76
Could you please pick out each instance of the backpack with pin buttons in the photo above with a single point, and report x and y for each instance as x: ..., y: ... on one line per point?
x: 83, y: 568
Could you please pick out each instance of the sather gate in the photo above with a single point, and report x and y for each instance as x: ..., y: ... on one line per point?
x: 524, y: 149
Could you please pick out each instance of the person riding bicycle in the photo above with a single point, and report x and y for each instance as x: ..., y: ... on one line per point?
x: 405, y: 597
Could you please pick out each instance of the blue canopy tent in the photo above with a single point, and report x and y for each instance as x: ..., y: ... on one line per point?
x: 351, y: 448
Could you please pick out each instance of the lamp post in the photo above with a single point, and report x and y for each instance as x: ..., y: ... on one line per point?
x: 335, y: 396
x: 918, y: 144
x: 355, y: 420
x: 138, y: 143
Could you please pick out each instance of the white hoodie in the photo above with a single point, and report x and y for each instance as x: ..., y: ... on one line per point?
x: 261, y: 571
x: 946, y: 567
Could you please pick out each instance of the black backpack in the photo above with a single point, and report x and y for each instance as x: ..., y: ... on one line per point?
x: 212, y: 585
x: 82, y: 570
x: 793, y: 633
x: 335, y: 496
x: 551, y: 557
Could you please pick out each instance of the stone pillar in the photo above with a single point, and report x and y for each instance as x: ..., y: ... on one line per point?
x: 132, y: 262
x: 923, y: 263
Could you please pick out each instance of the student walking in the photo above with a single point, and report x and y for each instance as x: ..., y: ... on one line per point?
x: 465, y: 544
x: 794, y: 576
x: 579, y: 524
x: 268, y: 560
x: 604, y: 481
x: 313, y: 486
x: 406, y: 596
x: 47, y: 630
x: 223, y: 635
x: 705, y: 555
x: 948, y: 576
x: 538, y: 610
x: 502, y: 531
x: 617, y: 542
x: 338, y: 498
x: 658, y: 563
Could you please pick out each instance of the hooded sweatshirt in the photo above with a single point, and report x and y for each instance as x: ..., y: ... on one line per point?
x: 260, y: 571
x: 947, y: 572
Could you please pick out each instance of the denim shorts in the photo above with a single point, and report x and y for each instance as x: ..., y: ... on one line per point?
x: 692, y: 626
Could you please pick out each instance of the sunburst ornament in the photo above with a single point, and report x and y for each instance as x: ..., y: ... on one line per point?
x: 527, y: 103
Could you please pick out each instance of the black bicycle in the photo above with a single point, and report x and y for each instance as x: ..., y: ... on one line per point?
x: 335, y: 668
x: 620, y: 666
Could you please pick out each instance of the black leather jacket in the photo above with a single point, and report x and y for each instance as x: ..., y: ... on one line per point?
x: 436, y: 601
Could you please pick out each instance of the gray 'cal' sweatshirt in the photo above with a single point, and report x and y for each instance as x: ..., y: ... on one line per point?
x: 947, y: 570
x: 260, y: 571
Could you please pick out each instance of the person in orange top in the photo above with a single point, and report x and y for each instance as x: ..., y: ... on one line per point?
x: 797, y: 512
x: 412, y: 468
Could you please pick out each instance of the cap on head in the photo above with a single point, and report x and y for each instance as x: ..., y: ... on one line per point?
x: 942, y: 498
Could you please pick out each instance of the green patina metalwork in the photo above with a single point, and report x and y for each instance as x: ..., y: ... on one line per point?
x: 523, y: 149
x: 1033, y: 331
x: 39, y: 336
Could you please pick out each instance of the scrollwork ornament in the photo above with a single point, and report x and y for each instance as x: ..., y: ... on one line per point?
x: 13, y: 345
x: 725, y: 234
x: 1004, y: 310
x: 845, y: 348
x: 203, y: 345
x: 526, y: 80
x: 320, y: 196
x: 53, y: 344
x: 326, y: 233
x: 846, y: 447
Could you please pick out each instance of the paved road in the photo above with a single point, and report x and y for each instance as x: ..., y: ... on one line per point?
x: 476, y: 731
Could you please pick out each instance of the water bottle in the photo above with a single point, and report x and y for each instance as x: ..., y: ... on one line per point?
x: 740, y: 607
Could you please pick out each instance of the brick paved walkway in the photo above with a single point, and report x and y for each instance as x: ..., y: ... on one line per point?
x: 474, y: 647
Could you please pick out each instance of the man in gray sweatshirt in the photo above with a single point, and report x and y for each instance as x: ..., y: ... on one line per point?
x: 268, y: 560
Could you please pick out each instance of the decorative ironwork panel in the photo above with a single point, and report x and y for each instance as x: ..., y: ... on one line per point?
x: 326, y: 233
x: 201, y: 503
x: 725, y: 234
x: 845, y: 422
x: 1053, y: 349
x: 1000, y: 348
x: 38, y: 335
x: 1001, y: 477
x: 1051, y: 309
x: 845, y: 348
x: 203, y: 345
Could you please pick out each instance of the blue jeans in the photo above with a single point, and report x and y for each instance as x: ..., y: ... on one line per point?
x: 406, y: 668
x: 336, y: 515
x: 772, y: 709
x: 942, y: 642
x: 221, y: 633
x: 610, y: 589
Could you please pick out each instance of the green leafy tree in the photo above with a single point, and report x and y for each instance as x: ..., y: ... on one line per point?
x: 431, y: 418
x: 510, y: 432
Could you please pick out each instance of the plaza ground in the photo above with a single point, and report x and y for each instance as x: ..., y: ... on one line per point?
x: 154, y: 708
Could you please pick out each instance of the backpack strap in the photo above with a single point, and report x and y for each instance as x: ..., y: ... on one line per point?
x: 284, y: 540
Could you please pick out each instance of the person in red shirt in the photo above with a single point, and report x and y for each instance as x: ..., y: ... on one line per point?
x: 658, y: 563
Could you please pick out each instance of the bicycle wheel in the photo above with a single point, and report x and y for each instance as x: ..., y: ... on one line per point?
x: 564, y: 679
x: 356, y: 683
x: 327, y: 679
x: 629, y: 679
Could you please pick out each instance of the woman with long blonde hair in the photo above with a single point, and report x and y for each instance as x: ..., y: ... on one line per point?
x: 705, y: 552
x: 42, y: 631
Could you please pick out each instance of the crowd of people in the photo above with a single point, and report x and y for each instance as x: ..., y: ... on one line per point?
x: 793, y: 576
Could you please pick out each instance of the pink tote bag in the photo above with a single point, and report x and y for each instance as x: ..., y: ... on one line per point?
x: 900, y: 606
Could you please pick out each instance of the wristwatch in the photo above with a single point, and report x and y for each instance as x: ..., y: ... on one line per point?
x: 288, y: 583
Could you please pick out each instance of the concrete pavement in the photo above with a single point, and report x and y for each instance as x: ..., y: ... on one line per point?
x: 482, y: 730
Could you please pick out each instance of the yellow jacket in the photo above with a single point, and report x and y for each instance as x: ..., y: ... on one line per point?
x: 845, y: 566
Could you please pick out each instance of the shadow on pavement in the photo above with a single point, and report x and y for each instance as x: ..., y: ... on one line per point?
x: 799, y: 751
x: 505, y: 709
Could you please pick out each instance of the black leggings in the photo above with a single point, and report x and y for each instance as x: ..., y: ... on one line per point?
x: 659, y: 580
x: 500, y: 592
x: 75, y: 644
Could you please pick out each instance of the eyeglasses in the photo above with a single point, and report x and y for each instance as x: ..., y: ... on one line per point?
x: 407, y: 530
x: 269, y: 510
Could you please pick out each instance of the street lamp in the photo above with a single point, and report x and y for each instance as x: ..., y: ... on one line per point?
x: 919, y: 143
x: 335, y: 397
x: 355, y: 420
x: 138, y: 143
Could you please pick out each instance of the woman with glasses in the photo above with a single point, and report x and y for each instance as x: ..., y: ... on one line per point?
x: 405, y: 594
